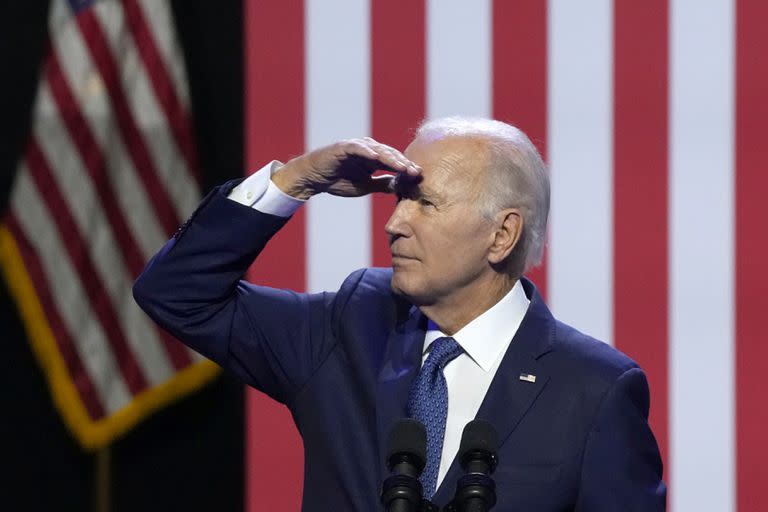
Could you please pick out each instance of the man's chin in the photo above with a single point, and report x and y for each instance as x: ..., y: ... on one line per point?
x: 412, y: 293
x: 395, y: 285
x: 399, y: 285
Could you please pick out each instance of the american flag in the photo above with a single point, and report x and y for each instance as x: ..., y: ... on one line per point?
x: 108, y: 173
x: 651, y: 116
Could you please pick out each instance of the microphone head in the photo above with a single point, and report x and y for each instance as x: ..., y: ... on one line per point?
x: 407, y: 443
x: 479, y: 442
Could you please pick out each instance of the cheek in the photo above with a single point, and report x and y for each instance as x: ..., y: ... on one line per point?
x: 462, y: 243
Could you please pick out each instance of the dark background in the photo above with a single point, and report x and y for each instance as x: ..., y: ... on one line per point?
x: 188, y: 456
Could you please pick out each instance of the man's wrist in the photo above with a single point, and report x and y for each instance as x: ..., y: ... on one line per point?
x: 290, y: 180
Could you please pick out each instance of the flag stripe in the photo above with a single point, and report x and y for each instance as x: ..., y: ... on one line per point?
x: 178, y: 118
x: 159, y: 19
x: 96, y: 42
x: 275, y: 125
x: 640, y: 195
x: 70, y: 297
x: 701, y: 255
x: 274, y: 121
x: 395, y: 110
x: 520, y: 78
x: 337, y: 107
x: 74, y: 365
x: 751, y: 247
x: 458, y: 58
x: 76, y: 248
x: 580, y: 127
x: 95, y: 164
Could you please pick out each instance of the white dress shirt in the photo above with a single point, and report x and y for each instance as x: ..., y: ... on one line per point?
x: 485, y: 339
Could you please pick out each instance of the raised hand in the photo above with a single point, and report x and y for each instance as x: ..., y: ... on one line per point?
x: 344, y: 169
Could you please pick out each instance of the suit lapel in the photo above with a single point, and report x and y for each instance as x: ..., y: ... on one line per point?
x: 509, y: 398
x: 401, y: 363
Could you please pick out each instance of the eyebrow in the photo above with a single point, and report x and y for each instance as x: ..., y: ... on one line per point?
x: 406, y: 187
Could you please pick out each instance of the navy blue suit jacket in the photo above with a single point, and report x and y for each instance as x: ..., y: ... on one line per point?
x: 343, y: 362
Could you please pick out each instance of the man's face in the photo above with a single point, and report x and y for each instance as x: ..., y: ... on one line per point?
x: 438, y: 238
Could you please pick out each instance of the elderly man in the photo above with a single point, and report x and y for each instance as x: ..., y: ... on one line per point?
x: 450, y: 333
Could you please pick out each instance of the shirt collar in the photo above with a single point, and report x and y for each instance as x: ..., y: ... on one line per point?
x: 485, y: 338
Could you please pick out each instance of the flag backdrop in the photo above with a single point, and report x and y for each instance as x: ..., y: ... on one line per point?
x: 108, y: 173
x: 651, y: 117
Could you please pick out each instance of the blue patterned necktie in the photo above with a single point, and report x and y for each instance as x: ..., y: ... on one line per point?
x: 428, y: 403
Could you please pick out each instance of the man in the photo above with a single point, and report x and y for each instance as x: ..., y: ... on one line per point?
x: 452, y: 332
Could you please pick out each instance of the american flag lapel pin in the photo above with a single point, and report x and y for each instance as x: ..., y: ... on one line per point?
x: 527, y: 377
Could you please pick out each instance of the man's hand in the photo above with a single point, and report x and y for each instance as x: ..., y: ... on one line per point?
x: 344, y: 169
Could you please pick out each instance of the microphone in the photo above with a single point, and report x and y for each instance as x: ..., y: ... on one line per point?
x: 476, y: 490
x: 406, y: 457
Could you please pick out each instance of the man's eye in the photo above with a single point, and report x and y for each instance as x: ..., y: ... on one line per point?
x: 426, y: 202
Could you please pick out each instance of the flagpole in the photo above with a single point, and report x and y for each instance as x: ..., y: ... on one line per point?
x: 102, y: 479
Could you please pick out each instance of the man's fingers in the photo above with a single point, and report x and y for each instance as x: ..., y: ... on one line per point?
x: 387, y: 156
x: 395, y: 159
x: 359, y: 148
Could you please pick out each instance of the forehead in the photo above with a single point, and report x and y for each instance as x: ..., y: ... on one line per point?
x: 449, y: 160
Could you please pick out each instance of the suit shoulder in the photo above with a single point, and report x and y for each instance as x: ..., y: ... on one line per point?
x: 367, y: 292
x: 583, y: 353
x: 368, y: 281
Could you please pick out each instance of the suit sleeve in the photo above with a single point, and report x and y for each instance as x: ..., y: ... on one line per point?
x: 271, y: 339
x: 622, y: 468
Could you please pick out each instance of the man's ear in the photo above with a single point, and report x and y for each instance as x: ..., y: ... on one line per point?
x: 507, y: 235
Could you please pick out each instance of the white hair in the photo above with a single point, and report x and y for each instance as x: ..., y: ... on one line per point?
x: 517, y: 179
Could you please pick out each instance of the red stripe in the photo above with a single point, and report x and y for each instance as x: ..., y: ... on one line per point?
x: 77, y: 250
x: 398, y: 46
x: 520, y: 77
x: 103, y: 59
x: 640, y: 196
x: 62, y: 336
x: 274, y: 98
x: 175, y: 113
x: 95, y: 164
x: 751, y: 248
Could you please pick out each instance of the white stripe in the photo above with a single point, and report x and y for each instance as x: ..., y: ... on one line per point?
x: 159, y: 18
x: 68, y: 295
x: 92, y: 100
x: 701, y: 255
x: 76, y: 186
x: 580, y: 266
x: 338, y: 106
x: 61, y: 14
x: 147, y: 112
x: 458, y: 58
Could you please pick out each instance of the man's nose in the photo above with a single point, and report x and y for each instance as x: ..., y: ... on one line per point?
x: 397, y: 225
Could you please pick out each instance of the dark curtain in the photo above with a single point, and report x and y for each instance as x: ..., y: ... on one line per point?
x: 190, y: 455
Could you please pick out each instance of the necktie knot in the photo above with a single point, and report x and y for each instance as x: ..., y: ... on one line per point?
x: 443, y: 351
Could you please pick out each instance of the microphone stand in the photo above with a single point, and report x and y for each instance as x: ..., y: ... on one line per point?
x: 476, y: 490
x: 402, y: 491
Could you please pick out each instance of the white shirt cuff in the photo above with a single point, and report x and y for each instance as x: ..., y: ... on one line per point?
x: 258, y: 192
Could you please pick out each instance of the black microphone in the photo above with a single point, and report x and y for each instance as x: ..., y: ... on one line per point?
x: 476, y: 490
x: 407, y: 455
